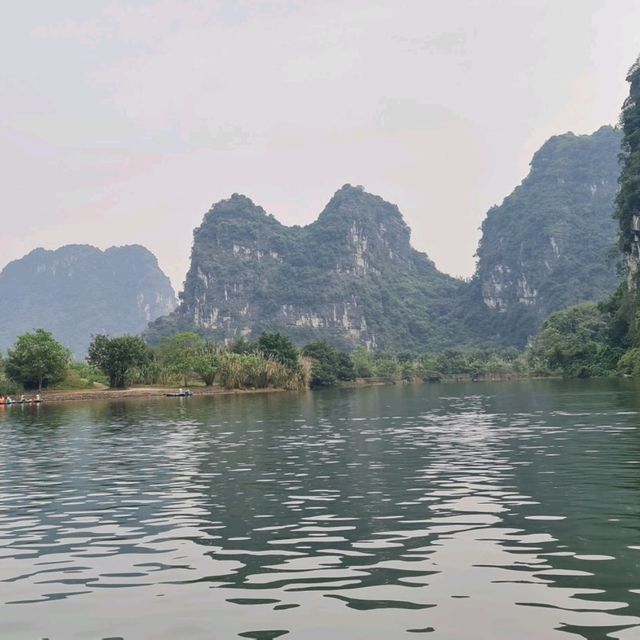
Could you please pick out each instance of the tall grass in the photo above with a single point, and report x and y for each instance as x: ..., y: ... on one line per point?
x: 254, y: 370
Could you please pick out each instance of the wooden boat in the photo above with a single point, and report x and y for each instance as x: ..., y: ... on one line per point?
x: 179, y: 394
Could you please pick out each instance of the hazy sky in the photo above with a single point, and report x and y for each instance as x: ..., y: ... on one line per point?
x: 122, y: 122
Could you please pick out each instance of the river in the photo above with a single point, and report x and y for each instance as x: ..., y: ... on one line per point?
x: 505, y: 511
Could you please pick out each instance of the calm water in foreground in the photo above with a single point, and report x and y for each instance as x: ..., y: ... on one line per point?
x: 458, y: 512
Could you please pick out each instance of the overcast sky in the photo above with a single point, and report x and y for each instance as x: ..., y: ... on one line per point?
x: 122, y: 122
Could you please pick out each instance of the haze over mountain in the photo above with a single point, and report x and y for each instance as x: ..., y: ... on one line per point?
x: 77, y: 291
x: 165, y: 106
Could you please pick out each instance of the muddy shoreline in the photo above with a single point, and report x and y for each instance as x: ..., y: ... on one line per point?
x: 141, y: 393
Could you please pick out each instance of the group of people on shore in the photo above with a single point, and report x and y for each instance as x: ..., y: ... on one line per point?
x: 23, y: 399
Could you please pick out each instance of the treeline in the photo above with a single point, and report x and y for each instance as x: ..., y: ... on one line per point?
x: 587, y: 340
x: 38, y: 361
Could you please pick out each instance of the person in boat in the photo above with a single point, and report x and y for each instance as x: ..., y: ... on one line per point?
x: 22, y: 398
x: 38, y: 397
x: 3, y: 400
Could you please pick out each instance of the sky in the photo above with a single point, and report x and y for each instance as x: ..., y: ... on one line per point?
x: 123, y: 122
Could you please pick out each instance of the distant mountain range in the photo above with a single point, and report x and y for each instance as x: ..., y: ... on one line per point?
x: 351, y: 277
x: 77, y: 291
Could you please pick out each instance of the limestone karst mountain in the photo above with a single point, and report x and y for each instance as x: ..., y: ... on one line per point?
x: 350, y: 277
x: 78, y: 290
x: 552, y: 242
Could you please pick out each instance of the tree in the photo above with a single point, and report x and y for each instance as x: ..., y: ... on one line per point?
x: 206, y: 362
x: 279, y: 347
x: 387, y: 368
x: 37, y: 360
x: 574, y: 342
x: 362, y: 364
x: 180, y: 354
x: 117, y: 358
x: 329, y: 366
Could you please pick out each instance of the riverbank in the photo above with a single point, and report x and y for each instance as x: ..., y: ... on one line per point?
x: 140, y: 393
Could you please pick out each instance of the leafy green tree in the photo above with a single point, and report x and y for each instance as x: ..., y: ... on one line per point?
x: 408, y: 370
x: 574, y: 342
x: 362, y: 363
x: 206, y: 363
x: 37, y: 360
x: 242, y: 345
x: 344, y: 367
x: 329, y: 364
x: 118, y: 358
x: 453, y: 361
x: 427, y: 369
x: 629, y: 363
x: 279, y: 347
x: 180, y: 353
x: 387, y: 367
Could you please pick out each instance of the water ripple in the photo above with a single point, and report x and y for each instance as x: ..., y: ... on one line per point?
x: 484, y: 511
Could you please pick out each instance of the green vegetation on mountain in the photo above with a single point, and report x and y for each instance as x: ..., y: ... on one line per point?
x: 550, y: 244
x: 628, y: 198
x: 604, y: 339
x: 78, y: 291
x: 625, y: 305
x: 351, y: 278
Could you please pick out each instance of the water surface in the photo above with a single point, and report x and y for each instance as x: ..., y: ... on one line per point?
x: 457, y: 512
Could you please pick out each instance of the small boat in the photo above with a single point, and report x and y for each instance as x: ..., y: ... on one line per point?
x: 182, y: 393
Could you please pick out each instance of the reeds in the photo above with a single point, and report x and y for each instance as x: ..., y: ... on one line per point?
x: 254, y: 370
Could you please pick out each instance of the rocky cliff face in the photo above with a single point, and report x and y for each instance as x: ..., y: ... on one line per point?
x: 351, y: 277
x: 78, y: 290
x: 549, y: 244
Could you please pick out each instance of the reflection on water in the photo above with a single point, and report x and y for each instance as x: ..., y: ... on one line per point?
x: 497, y: 512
